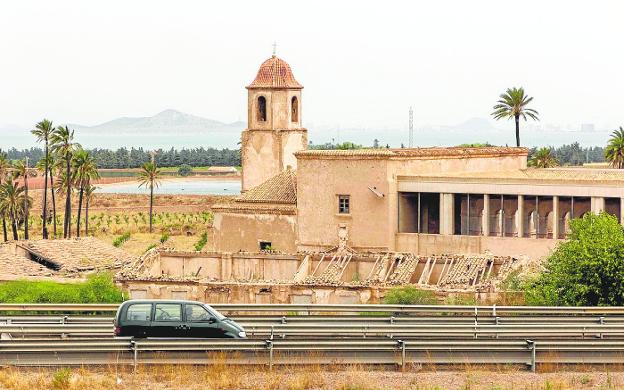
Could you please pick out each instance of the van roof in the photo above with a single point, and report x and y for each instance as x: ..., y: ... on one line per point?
x: 160, y: 301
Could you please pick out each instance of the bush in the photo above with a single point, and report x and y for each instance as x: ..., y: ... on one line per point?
x: 202, y: 242
x: 409, y: 295
x: 164, y: 238
x: 99, y: 288
x: 150, y: 247
x: 585, y: 270
x: 185, y: 170
x: 61, y: 378
x: 119, y: 241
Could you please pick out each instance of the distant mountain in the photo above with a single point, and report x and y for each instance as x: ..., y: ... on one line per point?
x: 168, y: 121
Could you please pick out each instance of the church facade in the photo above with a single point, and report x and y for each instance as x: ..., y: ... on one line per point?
x: 420, y: 200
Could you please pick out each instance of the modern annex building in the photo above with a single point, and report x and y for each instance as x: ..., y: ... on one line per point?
x: 421, y: 200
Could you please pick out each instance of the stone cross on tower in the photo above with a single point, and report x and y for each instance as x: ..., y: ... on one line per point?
x: 274, y: 48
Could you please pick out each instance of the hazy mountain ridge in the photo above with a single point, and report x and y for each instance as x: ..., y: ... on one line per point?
x: 171, y: 121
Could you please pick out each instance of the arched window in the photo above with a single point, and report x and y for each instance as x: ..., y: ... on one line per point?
x: 294, y: 109
x: 261, y: 109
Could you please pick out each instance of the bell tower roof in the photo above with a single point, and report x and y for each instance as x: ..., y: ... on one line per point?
x: 275, y: 73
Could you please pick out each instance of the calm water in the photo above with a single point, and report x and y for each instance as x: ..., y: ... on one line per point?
x: 178, y: 187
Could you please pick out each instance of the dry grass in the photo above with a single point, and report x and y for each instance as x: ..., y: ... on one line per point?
x: 221, y: 377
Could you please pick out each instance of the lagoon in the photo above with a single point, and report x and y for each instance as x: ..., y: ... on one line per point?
x: 176, y: 187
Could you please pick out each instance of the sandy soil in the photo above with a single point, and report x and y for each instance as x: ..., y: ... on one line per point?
x: 177, y: 377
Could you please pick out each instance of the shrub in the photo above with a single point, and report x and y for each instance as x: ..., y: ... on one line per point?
x: 409, y: 295
x: 164, y: 237
x: 185, y: 170
x: 61, y: 378
x: 149, y: 248
x: 202, y: 242
x: 585, y: 270
x: 119, y: 241
x: 99, y: 288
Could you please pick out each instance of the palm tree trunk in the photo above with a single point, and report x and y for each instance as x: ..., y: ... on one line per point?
x: 4, y: 229
x: 53, y: 202
x: 87, y: 217
x: 14, y: 226
x: 26, y: 202
x: 517, y: 117
x: 44, y: 230
x: 67, y: 224
x: 151, y: 205
x: 79, y: 210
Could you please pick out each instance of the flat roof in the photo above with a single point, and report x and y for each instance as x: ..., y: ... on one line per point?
x: 584, y: 176
x: 413, y: 153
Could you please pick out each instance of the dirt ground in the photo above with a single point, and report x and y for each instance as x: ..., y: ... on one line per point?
x: 355, y: 378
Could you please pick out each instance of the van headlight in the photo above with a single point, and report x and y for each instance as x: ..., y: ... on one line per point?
x: 242, y: 334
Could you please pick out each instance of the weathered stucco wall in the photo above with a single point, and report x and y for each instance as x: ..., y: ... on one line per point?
x: 234, y: 232
x: 430, y: 244
x: 319, y: 182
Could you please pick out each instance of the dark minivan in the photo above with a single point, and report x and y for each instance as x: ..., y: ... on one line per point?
x: 164, y: 318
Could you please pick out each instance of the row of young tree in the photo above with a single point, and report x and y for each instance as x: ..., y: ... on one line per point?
x: 65, y: 168
x: 136, y: 157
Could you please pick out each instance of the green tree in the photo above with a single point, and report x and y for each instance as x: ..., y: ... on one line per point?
x: 149, y: 177
x: 615, y: 149
x: 63, y: 145
x: 586, y: 269
x: 42, y: 131
x: 543, y: 158
x: 185, y: 170
x: 50, y: 165
x: 513, y: 104
x: 13, y: 202
x: 84, y: 171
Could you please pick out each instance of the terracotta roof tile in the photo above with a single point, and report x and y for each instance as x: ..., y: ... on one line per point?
x: 450, y: 152
x: 280, y: 189
x: 275, y: 73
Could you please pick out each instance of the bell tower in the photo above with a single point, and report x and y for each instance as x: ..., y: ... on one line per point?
x: 274, y: 132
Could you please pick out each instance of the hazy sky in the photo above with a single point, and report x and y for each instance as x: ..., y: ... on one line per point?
x: 362, y: 63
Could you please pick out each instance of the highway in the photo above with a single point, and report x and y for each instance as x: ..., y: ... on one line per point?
x: 37, y: 335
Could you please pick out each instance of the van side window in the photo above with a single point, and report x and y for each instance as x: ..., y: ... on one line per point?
x: 197, y: 313
x: 139, y: 312
x: 168, y: 312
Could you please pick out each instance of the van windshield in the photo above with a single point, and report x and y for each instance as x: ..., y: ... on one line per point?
x: 215, y: 313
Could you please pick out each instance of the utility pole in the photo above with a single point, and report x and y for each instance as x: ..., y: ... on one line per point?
x: 411, y: 128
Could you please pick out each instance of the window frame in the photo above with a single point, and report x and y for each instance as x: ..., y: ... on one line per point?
x: 149, y: 315
x: 259, y: 114
x: 167, y: 320
x: 344, y: 203
x: 210, y: 314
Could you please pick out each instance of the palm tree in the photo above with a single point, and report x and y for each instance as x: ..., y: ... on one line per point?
x: 22, y: 171
x: 88, y: 194
x: 62, y: 143
x: 5, y: 166
x: 512, y: 104
x: 42, y: 131
x: 615, y: 149
x: 543, y: 158
x: 85, y: 170
x: 14, y: 202
x: 149, y: 176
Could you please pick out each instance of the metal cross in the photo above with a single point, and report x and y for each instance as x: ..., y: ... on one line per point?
x: 274, y: 47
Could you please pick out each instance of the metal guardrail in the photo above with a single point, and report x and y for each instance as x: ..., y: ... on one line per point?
x: 341, y: 308
x: 301, y: 352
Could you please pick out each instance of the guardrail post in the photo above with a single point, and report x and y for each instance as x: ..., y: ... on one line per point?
x: 271, y: 334
x: 135, y: 351
x: 494, y: 310
x: 532, y: 346
x: 283, y: 319
x: 601, y: 323
x: 391, y: 320
x: 401, y: 344
x: 269, y: 345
